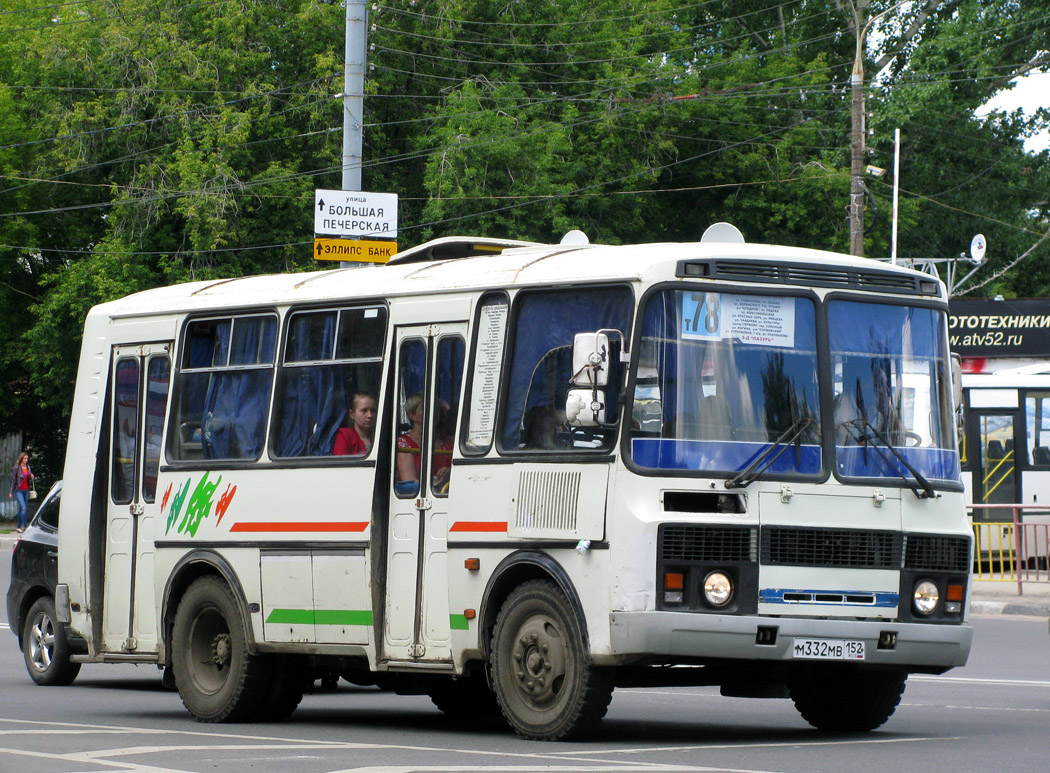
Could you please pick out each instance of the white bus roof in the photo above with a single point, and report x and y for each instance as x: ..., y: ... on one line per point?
x: 478, y: 266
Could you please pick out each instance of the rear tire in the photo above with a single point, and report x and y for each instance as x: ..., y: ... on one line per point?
x: 846, y: 698
x: 289, y: 681
x: 218, y: 679
x: 464, y: 698
x: 546, y: 686
x: 45, y: 647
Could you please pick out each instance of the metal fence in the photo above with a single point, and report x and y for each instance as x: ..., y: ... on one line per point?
x: 1015, y: 550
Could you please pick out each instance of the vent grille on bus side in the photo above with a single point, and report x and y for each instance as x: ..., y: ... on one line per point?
x: 809, y: 275
x: 930, y: 553
x: 686, y: 542
x: 547, y: 500
x: 788, y: 546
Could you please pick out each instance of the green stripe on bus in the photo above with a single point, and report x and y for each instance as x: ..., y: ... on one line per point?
x: 320, y: 616
x: 458, y: 623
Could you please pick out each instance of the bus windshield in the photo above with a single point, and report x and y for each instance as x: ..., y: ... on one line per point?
x: 722, y: 378
x: 891, y: 392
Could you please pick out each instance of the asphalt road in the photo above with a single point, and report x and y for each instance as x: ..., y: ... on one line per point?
x: 991, y: 715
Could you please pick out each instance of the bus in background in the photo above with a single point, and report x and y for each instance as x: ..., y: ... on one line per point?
x: 1004, y: 346
x: 515, y: 474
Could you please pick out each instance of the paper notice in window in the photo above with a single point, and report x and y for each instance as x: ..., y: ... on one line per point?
x: 749, y: 319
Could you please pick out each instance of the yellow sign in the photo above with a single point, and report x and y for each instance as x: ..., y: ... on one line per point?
x: 354, y: 250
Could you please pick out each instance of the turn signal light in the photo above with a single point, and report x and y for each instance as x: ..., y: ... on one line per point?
x: 954, y: 593
x: 473, y: 564
x: 674, y: 581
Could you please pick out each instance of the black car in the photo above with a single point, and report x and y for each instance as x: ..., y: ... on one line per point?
x: 45, y: 644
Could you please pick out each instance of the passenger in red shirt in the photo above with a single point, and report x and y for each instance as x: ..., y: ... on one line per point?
x: 356, y: 440
x: 408, y: 450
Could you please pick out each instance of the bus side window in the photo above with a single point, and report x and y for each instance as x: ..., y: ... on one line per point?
x: 223, y: 384
x: 539, y: 376
x: 329, y: 356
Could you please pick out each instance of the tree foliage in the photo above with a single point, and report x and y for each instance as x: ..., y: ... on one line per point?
x: 145, y: 142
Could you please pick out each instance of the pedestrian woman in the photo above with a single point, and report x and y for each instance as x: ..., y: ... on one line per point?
x: 21, y: 477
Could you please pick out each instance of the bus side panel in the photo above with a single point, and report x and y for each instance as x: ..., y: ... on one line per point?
x: 306, y: 530
x: 495, y: 510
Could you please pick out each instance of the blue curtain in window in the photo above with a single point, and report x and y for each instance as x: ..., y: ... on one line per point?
x: 315, y: 398
x: 234, y: 421
x: 547, y: 321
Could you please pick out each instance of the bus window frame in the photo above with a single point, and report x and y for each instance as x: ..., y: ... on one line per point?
x: 823, y: 375
x: 171, y: 424
x: 280, y: 365
x: 909, y: 302
x: 571, y: 453
x: 477, y: 451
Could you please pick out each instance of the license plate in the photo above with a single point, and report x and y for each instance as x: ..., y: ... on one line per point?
x: 827, y: 649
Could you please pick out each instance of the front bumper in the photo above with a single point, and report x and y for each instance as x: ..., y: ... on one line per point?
x: 699, y: 636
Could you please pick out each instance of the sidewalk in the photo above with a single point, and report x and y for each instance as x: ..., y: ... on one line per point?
x: 1000, y: 598
x: 989, y: 598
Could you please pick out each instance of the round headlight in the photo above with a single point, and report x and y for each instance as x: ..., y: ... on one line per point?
x: 718, y: 589
x: 926, y: 597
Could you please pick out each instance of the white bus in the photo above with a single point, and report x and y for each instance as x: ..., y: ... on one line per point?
x: 1006, y: 439
x: 588, y: 464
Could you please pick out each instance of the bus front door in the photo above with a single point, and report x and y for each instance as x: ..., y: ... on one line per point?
x: 429, y: 365
x: 138, y: 396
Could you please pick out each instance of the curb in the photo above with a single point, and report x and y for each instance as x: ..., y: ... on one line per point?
x: 1029, y: 609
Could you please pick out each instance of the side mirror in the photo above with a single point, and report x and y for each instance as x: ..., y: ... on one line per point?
x: 590, y: 359
x: 585, y: 408
x: 957, y: 388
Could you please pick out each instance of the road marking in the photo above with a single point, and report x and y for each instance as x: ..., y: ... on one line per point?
x: 976, y: 680
x: 530, y: 762
x: 769, y: 745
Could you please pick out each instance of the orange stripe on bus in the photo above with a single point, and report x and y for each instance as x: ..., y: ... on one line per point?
x: 299, y: 526
x: 479, y: 526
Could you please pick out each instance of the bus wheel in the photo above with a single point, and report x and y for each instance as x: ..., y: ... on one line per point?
x: 545, y: 685
x: 218, y: 679
x: 290, y: 678
x: 846, y: 698
x: 467, y: 697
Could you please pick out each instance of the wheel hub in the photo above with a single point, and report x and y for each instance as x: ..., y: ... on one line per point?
x: 220, y: 650
x: 539, y: 656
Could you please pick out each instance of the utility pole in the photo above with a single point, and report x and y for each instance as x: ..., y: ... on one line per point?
x: 354, y: 93
x: 353, y: 98
x: 858, y: 131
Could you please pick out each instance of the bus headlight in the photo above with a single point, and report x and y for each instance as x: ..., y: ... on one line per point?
x: 718, y: 589
x: 925, y: 598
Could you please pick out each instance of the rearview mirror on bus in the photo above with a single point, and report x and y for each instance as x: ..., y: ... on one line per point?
x: 585, y: 408
x: 590, y: 359
x: 957, y: 386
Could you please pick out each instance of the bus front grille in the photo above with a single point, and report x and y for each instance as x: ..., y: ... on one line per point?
x: 842, y: 548
x: 688, y: 542
x: 937, y: 553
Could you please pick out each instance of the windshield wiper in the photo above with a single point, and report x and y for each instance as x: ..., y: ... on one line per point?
x: 861, y: 426
x: 792, y: 434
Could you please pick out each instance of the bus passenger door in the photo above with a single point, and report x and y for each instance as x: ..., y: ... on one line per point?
x: 138, y: 398
x: 995, y: 479
x: 429, y: 366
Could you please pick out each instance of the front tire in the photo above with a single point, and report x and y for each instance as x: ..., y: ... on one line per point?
x: 217, y: 678
x: 846, y: 698
x: 546, y: 687
x: 45, y: 647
